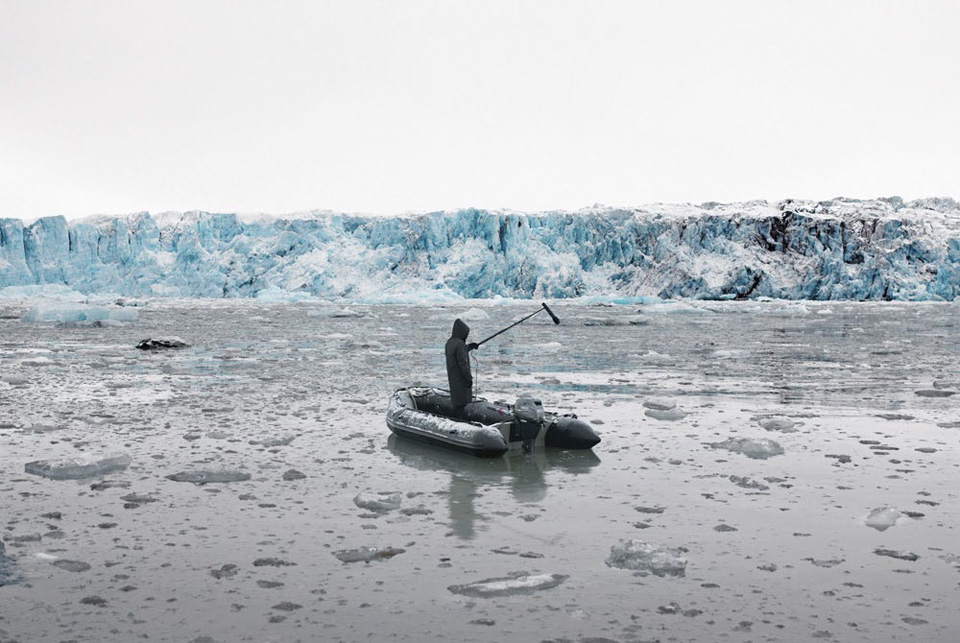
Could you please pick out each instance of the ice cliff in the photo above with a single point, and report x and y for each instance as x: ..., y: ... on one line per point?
x: 838, y: 249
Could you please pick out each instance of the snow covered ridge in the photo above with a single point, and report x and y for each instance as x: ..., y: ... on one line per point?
x: 838, y: 249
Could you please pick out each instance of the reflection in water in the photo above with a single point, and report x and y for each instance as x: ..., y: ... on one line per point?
x: 525, y: 473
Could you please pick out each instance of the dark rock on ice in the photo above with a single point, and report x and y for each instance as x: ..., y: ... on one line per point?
x: 650, y: 510
x: 912, y: 620
x: 96, y: 601
x: 6, y: 567
x: 78, y: 467
x: 202, y: 477
x: 287, y: 606
x: 293, y: 474
x: 134, y: 500
x: 934, y: 392
x: 724, y: 527
x: 161, y: 343
x: 275, y: 442
x: 831, y: 562
x: 642, y: 556
x: 747, y: 483
x: 71, y: 565
x: 225, y: 571
x: 515, y: 584
x: 367, y: 554
x: 272, y: 562
x: 899, y: 555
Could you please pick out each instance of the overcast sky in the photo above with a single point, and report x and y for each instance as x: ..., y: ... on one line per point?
x: 385, y: 107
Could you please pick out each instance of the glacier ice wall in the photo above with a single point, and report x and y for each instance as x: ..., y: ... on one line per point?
x: 838, y: 249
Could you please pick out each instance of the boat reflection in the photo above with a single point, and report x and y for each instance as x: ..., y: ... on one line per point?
x: 524, y: 473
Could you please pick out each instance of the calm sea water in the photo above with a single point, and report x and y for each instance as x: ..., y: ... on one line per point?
x: 295, y: 396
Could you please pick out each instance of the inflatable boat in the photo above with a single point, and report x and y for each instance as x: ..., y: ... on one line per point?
x: 486, y: 429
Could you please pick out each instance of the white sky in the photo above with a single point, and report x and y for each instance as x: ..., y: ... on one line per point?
x: 384, y: 107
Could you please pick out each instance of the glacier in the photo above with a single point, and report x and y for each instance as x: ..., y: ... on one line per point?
x: 841, y: 249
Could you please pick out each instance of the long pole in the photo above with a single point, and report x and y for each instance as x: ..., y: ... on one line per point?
x: 520, y: 321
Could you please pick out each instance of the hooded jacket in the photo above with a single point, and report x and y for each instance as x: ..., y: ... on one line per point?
x: 458, y: 365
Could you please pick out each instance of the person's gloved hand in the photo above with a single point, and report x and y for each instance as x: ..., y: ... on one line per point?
x: 472, y: 346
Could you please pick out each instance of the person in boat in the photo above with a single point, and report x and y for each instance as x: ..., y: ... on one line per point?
x: 458, y: 367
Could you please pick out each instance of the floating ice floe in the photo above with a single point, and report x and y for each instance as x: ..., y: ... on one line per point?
x: 641, y: 556
x: 275, y: 441
x: 668, y: 416
x: 201, y: 477
x: 660, y: 404
x: 378, y: 503
x: 78, y: 467
x: 882, y: 518
x: 779, y: 423
x: 756, y: 448
x: 75, y: 313
x: 161, y: 343
x: 512, y: 585
x: 367, y: 554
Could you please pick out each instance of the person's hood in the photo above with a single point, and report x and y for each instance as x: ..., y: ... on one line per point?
x: 460, y: 329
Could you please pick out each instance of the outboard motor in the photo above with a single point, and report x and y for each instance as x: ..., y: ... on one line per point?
x: 528, y: 417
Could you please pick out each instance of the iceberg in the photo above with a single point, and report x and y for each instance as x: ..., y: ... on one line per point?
x: 79, y: 314
x: 78, y: 467
x: 645, y: 557
x: 879, y: 249
x: 758, y: 449
x: 512, y: 585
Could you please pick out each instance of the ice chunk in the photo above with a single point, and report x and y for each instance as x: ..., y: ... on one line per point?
x: 882, y: 518
x: 160, y: 343
x: 367, y: 554
x: 201, y: 477
x: 512, y: 585
x: 78, y: 313
x: 757, y: 448
x: 380, y: 503
x: 78, y: 467
x: 645, y: 557
x: 660, y: 404
x: 668, y: 416
x: 779, y: 423
x: 276, y: 441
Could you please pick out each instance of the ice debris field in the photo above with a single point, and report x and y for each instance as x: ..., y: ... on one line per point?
x: 217, y: 470
x: 883, y: 249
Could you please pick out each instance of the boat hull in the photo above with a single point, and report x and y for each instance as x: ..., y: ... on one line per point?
x: 485, y: 429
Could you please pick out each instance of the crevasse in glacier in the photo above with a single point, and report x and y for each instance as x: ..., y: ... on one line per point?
x: 838, y: 249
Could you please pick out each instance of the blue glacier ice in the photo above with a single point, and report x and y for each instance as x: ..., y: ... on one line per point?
x: 838, y: 249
